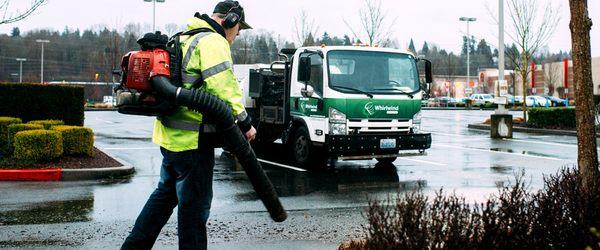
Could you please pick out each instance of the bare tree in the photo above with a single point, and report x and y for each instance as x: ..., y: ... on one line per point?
x: 374, y: 26
x: 587, y: 155
x: 172, y: 28
x: 304, y: 27
x: 551, y: 76
x: 533, y: 24
x: 7, y: 16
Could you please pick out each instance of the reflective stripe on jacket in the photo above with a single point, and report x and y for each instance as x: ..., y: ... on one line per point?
x: 207, y: 54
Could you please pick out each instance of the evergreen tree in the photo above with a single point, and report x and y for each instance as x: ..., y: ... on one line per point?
x: 411, y: 46
x: 310, y: 40
x: 16, y: 32
x: 326, y: 39
x: 425, y: 49
x: 347, y: 41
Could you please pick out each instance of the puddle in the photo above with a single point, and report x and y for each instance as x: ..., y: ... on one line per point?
x: 347, y: 180
x: 522, y: 152
x: 50, y: 213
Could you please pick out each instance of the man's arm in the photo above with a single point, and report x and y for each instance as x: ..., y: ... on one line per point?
x: 217, y: 71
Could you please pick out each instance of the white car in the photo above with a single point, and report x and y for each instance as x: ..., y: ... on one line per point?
x: 481, y: 98
x: 536, y: 101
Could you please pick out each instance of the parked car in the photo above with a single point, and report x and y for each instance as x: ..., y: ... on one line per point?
x: 555, y: 100
x: 518, y: 99
x: 536, y: 101
x: 445, y: 101
x: 511, y: 99
x: 481, y: 99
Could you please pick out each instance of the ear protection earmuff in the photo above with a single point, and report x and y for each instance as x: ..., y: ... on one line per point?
x: 232, y: 18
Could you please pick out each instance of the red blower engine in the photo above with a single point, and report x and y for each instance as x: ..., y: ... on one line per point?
x: 135, y: 95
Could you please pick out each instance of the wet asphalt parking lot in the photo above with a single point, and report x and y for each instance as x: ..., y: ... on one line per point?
x: 325, y: 207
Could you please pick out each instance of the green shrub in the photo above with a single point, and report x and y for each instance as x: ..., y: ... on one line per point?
x: 76, y: 140
x: 47, y: 123
x: 38, y: 145
x: 40, y: 102
x: 4, y: 123
x: 15, y: 128
x: 563, y: 118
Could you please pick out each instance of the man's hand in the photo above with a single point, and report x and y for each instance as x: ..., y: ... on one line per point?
x: 251, y: 134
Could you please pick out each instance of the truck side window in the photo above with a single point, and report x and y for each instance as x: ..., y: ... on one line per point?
x: 316, y: 73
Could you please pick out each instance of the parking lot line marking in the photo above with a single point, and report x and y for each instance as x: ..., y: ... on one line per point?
x: 282, y: 165
x: 146, y: 148
x: 422, y: 161
x: 499, y: 152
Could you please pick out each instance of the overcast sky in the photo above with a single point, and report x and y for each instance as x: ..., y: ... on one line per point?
x: 435, y: 21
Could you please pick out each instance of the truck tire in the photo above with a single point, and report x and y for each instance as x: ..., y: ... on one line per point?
x: 301, y: 147
x: 387, y: 160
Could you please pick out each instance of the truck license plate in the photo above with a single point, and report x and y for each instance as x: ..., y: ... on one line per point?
x: 387, y: 143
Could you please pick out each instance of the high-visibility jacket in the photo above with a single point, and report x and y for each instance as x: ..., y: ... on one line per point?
x: 206, y: 54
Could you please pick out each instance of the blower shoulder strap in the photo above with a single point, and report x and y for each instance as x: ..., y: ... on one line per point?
x: 178, y: 63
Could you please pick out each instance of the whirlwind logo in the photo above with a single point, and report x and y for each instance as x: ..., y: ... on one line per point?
x: 370, y: 108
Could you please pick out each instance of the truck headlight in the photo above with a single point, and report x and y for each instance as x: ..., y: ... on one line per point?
x: 335, y: 116
x: 416, y: 128
x: 337, y: 122
x: 337, y: 129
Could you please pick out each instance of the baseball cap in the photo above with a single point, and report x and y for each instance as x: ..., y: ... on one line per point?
x: 227, y: 6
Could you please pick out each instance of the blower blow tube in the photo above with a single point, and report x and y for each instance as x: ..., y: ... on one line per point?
x: 235, y: 141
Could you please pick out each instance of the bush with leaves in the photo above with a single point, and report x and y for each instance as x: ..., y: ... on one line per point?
x: 47, y: 123
x: 4, y: 123
x: 38, y: 145
x: 76, y: 140
x: 15, y: 128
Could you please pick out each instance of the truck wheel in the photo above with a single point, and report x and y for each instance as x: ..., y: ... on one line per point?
x: 301, y: 147
x: 387, y: 160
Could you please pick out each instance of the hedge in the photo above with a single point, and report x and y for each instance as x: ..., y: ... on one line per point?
x: 552, y: 118
x: 41, y: 102
x: 13, y: 129
x: 4, y: 123
x: 38, y: 145
x: 76, y: 140
x: 47, y: 123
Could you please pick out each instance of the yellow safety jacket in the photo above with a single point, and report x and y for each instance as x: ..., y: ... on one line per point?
x: 206, y: 55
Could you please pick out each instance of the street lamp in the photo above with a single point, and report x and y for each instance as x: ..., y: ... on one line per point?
x: 21, y: 60
x: 468, y: 19
x: 154, y: 12
x: 42, y: 63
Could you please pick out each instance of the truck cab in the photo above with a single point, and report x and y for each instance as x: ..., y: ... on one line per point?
x: 340, y: 103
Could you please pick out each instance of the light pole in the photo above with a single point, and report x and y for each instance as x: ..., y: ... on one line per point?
x: 154, y: 12
x: 42, y: 63
x: 21, y: 60
x: 468, y: 20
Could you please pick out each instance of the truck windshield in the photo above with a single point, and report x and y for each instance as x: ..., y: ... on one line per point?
x: 372, y: 72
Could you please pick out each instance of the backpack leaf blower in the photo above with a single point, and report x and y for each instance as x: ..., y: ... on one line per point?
x: 147, y: 79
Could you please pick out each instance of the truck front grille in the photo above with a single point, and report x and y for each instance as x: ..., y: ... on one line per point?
x: 366, y: 126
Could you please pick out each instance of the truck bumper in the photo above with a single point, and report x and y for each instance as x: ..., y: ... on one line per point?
x: 375, y: 144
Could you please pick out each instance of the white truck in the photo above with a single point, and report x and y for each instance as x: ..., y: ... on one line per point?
x: 339, y: 102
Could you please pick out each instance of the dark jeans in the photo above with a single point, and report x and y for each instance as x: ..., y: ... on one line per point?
x: 186, y: 182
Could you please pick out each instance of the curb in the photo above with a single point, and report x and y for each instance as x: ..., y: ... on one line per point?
x: 58, y: 174
x: 54, y: 174
x: 529, y: 130
x: 96, y: 173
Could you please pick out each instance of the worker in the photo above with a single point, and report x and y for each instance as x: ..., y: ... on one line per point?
x: 186, y: 139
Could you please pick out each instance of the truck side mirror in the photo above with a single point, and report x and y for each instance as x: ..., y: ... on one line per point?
x: 304, y: 69
x: 428, y: 71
